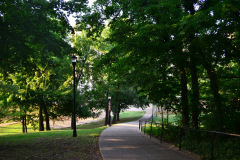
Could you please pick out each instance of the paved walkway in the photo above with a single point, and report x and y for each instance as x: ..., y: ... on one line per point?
x: 125, y: 142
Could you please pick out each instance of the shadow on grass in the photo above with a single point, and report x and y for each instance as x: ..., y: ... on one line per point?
x: 59, y: 143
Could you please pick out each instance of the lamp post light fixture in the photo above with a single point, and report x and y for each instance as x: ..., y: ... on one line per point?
x: 74, y: 61
x: 109, y: 111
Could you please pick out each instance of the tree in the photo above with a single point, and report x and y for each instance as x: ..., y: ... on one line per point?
x: 139, y: 37
x: 33, y: 34
x: 173, y: 40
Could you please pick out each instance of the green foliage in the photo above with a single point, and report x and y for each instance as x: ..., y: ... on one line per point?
x: 30, y: 31
x: 180, y: 55
x: 225, y: 147
x: 35, y: 66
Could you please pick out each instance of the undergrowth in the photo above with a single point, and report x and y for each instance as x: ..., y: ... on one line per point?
x: 225, y: 147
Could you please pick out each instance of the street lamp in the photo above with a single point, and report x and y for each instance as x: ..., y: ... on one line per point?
x: 74, y: 60
x: 109, y: 111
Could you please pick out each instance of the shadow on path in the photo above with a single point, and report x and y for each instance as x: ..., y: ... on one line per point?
x: 125, y: 142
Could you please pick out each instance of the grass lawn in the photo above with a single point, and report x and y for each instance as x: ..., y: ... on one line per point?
x: 171, y: 117
x: 56, y: 144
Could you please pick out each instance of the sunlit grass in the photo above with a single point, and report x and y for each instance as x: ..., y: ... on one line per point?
x: 13, y: 129
x: 171, y: 118
x: 130, y: 116
x: 14, y: 132
x: 57, y: 143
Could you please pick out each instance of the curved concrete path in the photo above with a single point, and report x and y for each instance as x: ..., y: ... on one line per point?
x: 125, y: 142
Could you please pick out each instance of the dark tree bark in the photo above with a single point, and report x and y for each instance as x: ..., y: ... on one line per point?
x: 195, y: 95
x: 41, y: 125
x: 189, y: 5
x: 118, y: 113
x: 114, y: 118
x: 109, y: 120
x: 23, y: 124
x: 46, y: 118
x: 106, y: 110
x: 114, y: 121
x: 106, y: 116
x: 184, y: 98
x: 217, y: 98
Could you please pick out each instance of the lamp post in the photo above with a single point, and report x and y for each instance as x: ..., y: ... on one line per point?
x: 74, y: 60
x: 109, y: 111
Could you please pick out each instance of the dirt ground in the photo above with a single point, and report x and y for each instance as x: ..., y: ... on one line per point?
x: 84, y: 148
x: 66, y: 122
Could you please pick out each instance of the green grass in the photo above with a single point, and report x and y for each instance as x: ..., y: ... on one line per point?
x: 13, y: 132
x: 13, y: 129
x: 56, y: 144
x: 131, y: 116
x: 54, y: 133
x: 171, y: 118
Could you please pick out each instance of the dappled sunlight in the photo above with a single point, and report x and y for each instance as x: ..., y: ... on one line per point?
x: 94, y: 134
x: 119, y: 147
x: 126, y: 124
x: 160, y: 148
x: 120, y: 140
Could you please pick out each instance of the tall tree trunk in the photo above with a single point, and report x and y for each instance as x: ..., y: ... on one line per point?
x: 116, y: 108
x: 195, y: 94
x: 109, y: 120
x: 162, y: 114
x: 46, y: 118
x: 114, y: 118
x: 23, y: 119
x: 184, y: 98
x: 106, y: 116
x: 41, y: 125
x: 189, y: 6
x: 118, y: 113
x: 23, y: 124
x: 106, y: 110
x: 217, y: 98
